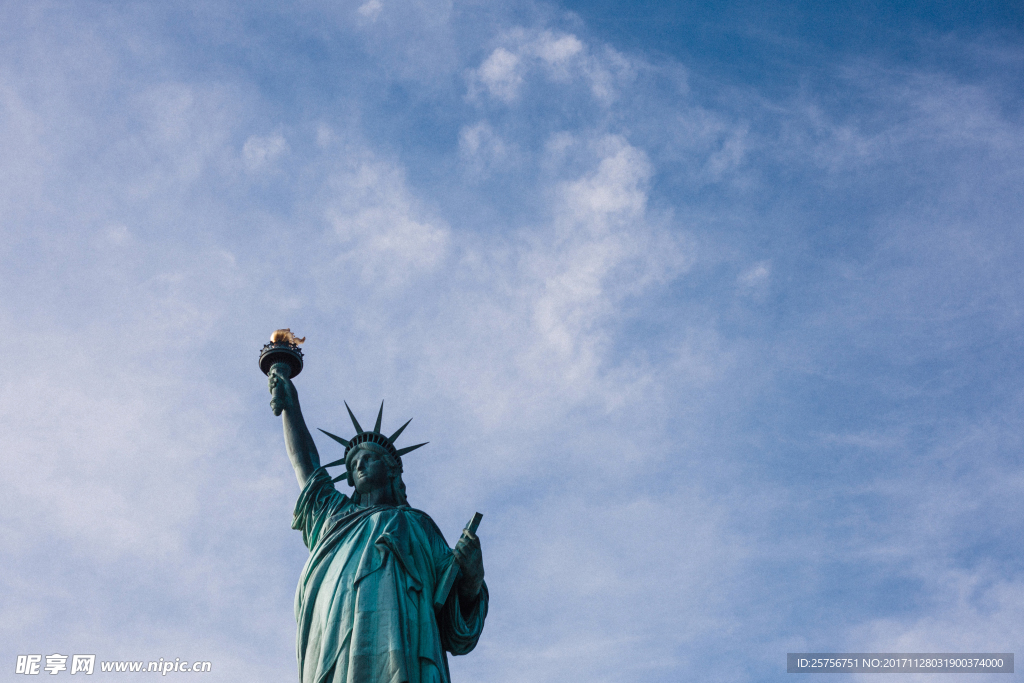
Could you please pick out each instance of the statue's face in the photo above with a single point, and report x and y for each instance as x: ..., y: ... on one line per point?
x: 369, y: 470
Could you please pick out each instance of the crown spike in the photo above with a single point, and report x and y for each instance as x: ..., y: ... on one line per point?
x: 380, y: 416
x: 336, y: 462
x: 395, y: 435
x: 337, y: 479
x: 355, y: 422
x: 403, y: 451
x: 336, y: 438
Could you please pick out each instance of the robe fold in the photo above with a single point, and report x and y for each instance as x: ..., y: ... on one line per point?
x: 365, y: 604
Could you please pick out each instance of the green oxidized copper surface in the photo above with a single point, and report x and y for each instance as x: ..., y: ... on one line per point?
x: 382, y: 598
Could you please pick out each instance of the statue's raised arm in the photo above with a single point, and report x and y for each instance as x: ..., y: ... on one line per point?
x: 281, y: 360
x: 297, y: 439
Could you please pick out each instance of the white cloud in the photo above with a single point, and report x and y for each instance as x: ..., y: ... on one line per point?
x: 614, y: 193
x: 483, y: 149
x: 755, y: 275
x: 384, y: 236
x: 500, y: 74
x: 259, y: 152
x: 599, y: 252
x: 371, y: 9
x: 538, y: 316
x: 184, y: 126
x: 974, y: 611
x: 730, y: 155
x: 755, y: 281
x: 556, y: 58
x: 557, y: 49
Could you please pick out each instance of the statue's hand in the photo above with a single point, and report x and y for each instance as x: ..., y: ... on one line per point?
x: 471, y: 562
x: 283, y: 391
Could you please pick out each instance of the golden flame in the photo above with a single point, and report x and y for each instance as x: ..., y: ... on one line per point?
x: 285, y: 335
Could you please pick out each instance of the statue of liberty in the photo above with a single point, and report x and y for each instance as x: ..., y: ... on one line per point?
x: 382, y: 598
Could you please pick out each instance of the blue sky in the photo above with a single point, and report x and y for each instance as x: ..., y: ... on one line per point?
x: 715, y: 311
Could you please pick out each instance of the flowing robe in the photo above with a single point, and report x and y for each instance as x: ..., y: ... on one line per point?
x: 365, y: 602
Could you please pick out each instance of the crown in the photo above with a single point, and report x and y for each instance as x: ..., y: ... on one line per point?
x: 374, y: 436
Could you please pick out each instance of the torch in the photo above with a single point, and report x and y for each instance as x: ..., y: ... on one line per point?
x: 282, y: 355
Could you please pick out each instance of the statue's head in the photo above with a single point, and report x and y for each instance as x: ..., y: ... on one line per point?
x: 372, y: 467
x: 371, y: 460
